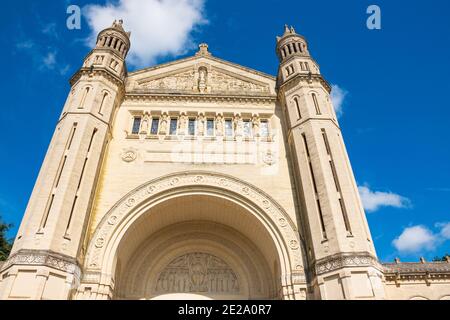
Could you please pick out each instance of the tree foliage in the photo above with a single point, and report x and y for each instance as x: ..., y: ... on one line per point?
x: 5, y: 243
x: 444, y: 258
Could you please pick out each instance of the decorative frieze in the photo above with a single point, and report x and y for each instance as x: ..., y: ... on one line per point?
x: 43, y: 258
x: 339, y: 261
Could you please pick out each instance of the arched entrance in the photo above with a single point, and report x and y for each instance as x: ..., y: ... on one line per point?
x: 200, y: 234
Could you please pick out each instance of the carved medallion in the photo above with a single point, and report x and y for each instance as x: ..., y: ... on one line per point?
x: 269, y: 157
x: 129, y: 155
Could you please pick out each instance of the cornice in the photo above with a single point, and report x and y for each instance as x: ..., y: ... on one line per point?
x: 44, y: 258
x: 295, y: 80
x: 345, y: 260
x: 120, y: 82
x: 136, y: 96
x: 192, y: 58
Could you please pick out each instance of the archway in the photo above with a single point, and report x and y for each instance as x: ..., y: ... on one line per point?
x: 201, y: 233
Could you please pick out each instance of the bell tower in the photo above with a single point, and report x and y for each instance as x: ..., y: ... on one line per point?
x: 48, y: 250
x: 340, y: 250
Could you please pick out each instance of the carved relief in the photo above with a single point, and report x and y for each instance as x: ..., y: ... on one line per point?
x: 197, y: 272
x: 182, y: 82
x: 221, y: 82
x: 43, y: 258
x: 342, y: 260
x: 203, y: 80
x: 269, y: 157
x: 129, y: 155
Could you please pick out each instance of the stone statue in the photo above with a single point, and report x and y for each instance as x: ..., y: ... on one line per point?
x: 238, y: 125
x: 256, y: 123
x: 144, y: 125
x: 219, y: 125
x: 163, y: 125
x: 202, y: 73
x: 183, y: 124
x: 201, y: 125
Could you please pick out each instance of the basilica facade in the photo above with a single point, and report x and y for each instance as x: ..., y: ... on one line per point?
x: 203, y: 179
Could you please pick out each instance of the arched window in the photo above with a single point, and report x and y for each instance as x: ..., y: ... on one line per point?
x: 105, y: 96
x: 297, y: 106
x: 316, y: 103
x: 83, y: 99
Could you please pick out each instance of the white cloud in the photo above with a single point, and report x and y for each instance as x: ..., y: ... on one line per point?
x: 64, y: 70
x: 420, y: 238
x: 338, y: 95
x: 49, y: 60
x: 50, y: 30
x: 415, y: 239
x: 158, y: 27
x: 373, y: 200
x: 445, y: 230
x: 25, y: 45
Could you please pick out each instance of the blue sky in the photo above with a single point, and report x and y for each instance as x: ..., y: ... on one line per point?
x: 393, y: 83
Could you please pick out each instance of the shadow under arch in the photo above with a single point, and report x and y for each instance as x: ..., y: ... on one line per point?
x: 100, y: 261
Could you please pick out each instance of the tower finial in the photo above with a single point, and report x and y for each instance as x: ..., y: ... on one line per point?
x: 286, y: 29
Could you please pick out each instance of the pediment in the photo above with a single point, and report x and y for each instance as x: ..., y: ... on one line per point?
x: 201, y: 75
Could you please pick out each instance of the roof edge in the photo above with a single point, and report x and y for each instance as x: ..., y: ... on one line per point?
x: 232, y: 64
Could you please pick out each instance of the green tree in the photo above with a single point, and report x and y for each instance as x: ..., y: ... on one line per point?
x: 444, y: 258
x: 5, y: 244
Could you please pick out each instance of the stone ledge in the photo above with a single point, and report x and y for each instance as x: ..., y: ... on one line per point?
x: 43, y: 258
x: 338, y: 261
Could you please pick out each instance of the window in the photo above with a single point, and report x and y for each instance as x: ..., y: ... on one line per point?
x: 191, y: 126
x: 264, y: 128
x: 316, y: 104
x: 105, y: 96
x: 136, y: 125
x: 290, y: 70
x: 83, y: 99
x: 297, y: 106
x: 228, y: 128
x: 173, y: 126
x: 210, y: 127
x: 247, y: 128
x: 155, y: 126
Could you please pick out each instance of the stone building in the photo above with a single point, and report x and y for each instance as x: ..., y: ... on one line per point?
x: 201, y: 178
